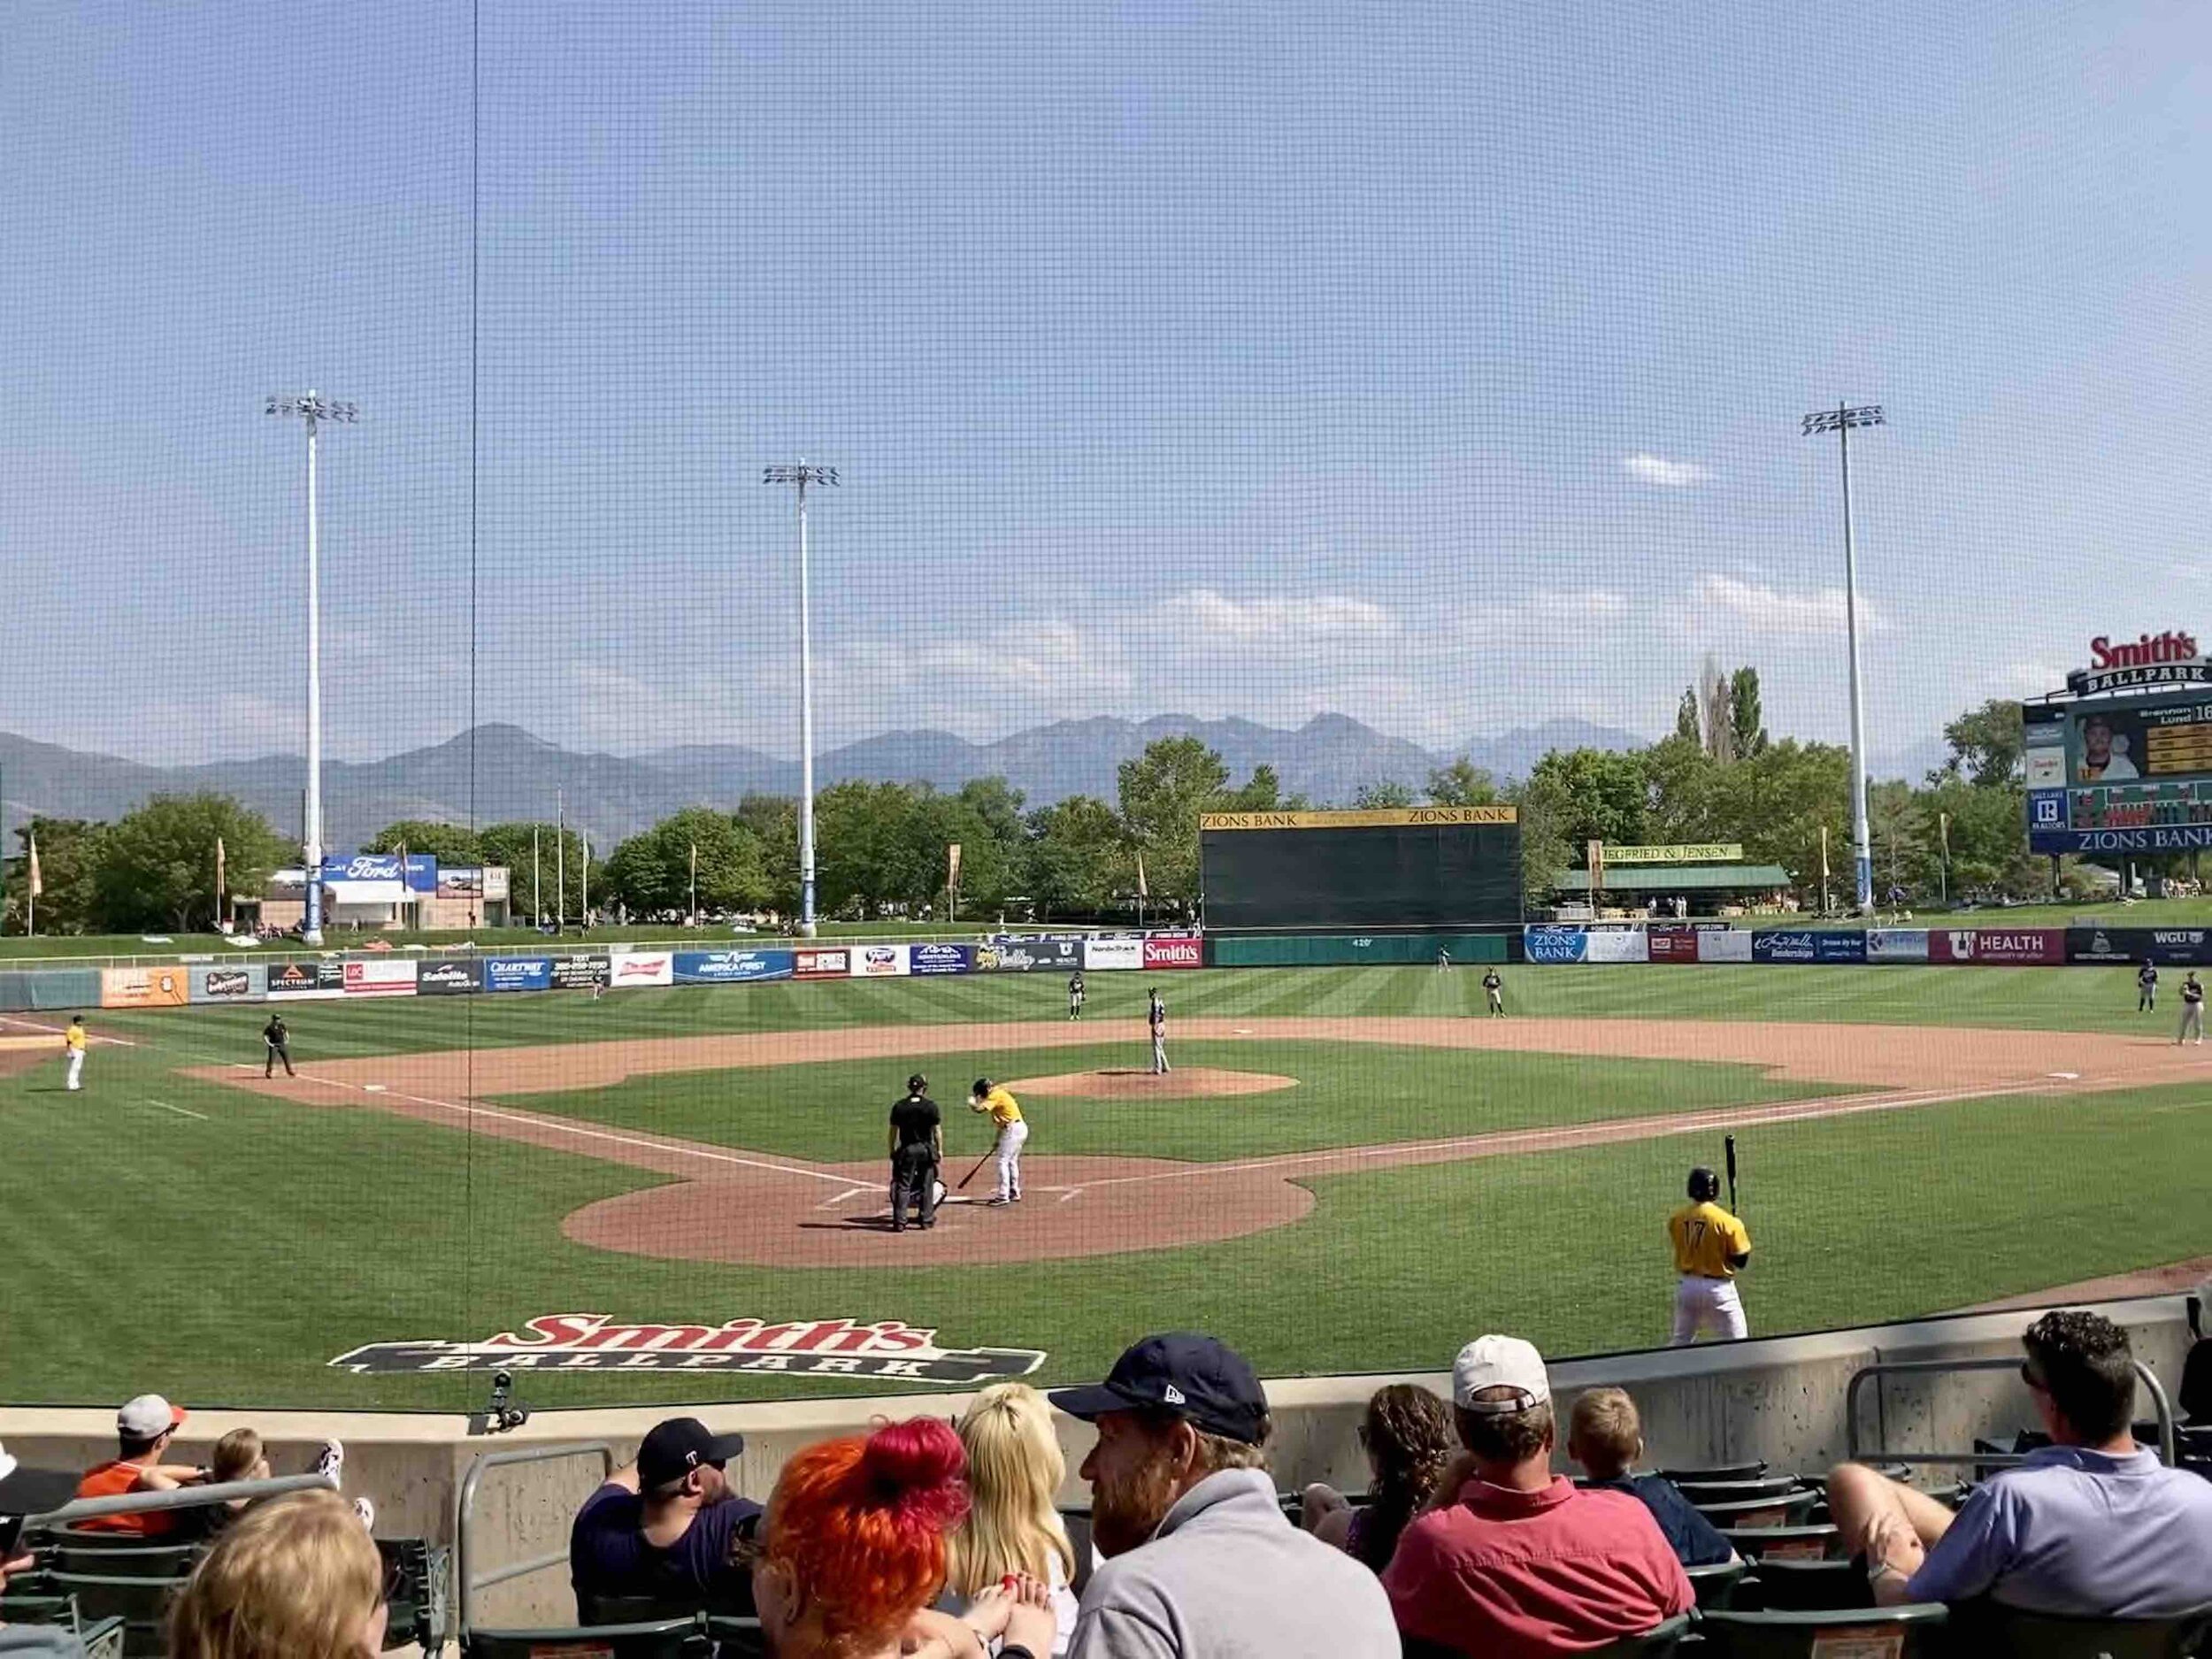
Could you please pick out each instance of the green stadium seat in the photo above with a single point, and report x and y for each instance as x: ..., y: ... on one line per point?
x: 656, y: 1638
x: 1987, y: 1626
x: 169, y: 1561
x: 141, y: 1603
x: 1811, y: 1543
x: 1659, y: 1641
x: 1789, y: 1508
x: 1777, y: 1584
x: 1915, y: 1630
x: 1715, y: 1585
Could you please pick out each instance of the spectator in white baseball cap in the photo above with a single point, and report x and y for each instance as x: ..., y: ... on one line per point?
x: 144, y: 1429
x: 1511, y: 1559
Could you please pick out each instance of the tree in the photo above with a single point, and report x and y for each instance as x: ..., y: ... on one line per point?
x: 448, y: 843
x: 1389, y: 792
x: 1593, y: 794
x: 651, y: 871
x: 1463, y: 783
x: 1685, y: 723
x: 157, y: 865
x: 774, y: 821
x: 1987, y: 743
x: 1747, y: 734
x: 1163, y: 792
x: 69, y: 854
x: 1078, y: 861
x: 560, y: 855
x: 1262, y: 792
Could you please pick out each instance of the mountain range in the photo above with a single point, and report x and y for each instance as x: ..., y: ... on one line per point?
x: 501, y: 772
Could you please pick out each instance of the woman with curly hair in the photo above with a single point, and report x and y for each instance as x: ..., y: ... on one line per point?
x: 295, y: 1577
x: 1408, y: 1437
x: 852, y: 1552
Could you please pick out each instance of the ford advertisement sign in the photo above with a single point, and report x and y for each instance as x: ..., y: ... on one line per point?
x: 1556, y: 944
x: 732, y: 967
x: 942, y: 958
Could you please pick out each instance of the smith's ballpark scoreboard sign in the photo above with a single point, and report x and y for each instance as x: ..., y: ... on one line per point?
x: 2124, y: 764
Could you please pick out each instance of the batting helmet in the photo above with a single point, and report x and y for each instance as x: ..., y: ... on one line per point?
x: 1704, y: 1185
x: 982, y: 1085
x: 918, y: 1083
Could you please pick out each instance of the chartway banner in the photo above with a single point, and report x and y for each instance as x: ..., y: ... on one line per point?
x: 835, y: 1348
x: 518, y: 973
x: 732, y: 967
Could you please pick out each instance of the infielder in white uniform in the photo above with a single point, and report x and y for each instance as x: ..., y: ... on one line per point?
x: 1155, y: 1016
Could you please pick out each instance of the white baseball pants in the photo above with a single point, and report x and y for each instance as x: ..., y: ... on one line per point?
x: 1011, y: 1139
x: 2192, y: 1023
x: 76, y: 1067
x: 1160, y: 1066
x: 1707, y: 1304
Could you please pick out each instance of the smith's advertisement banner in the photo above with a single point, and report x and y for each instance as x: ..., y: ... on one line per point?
x: 732, y: 967
x: 1174, y: 950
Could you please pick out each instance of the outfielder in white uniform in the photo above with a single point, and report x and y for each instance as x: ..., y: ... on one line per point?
x: 1710, y: 1246
x: 1155, y: 1016
x: 1013, y: 1135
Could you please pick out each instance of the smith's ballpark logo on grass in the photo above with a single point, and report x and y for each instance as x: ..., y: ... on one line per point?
x: 806, y: 1347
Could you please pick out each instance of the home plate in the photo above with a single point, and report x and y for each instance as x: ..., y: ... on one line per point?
x: 1242, y: 1031
x: 372, y: 1089
x: 2065, y: 1077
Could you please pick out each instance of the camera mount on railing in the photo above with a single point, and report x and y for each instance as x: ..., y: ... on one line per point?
x: 503, y: 1412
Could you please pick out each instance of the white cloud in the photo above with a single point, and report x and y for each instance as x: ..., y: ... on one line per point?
x: 1547, y: 614
x: 1316, y: 617
x: 1657, y: 469
x: 1774, y: 613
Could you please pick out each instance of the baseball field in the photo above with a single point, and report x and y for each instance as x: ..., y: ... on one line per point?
x: 1350, y: 1170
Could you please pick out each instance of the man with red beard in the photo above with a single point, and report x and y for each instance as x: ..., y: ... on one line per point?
x: 1200, y: 1561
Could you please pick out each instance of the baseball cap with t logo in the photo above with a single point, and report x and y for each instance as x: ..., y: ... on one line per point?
x: 672, y: 1449
x: 1205, y: 1381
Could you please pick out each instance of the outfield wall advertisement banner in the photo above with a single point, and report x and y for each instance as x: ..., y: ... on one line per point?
x: 1029, y: 955
x: 1174, y: 951
x: 821, y: 965
x: 144, y: 987
x: 881, y: 962
x: 582, y: 971
x: 1671, y: 944
x: 1784, y: 945
x: 1547, y: 943
x: 1723, y: 944
x: 2175, y: 947
x: 248, y: 982
x: 518, y: 973
x: 1897, y: 944
x: 300, y: 981
x: 627, y: 968
x: 942, y: 958
x: 732, y: 967
x: 449, y: 976
x: 1615, y: 944
x: 1999, y: 947
x: 388, y: 976
x: 1111, y: 953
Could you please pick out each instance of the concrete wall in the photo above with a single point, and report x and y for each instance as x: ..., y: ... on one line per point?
x: 1781, y: 1400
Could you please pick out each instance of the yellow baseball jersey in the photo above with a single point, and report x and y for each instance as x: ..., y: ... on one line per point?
x: 1004, y: 1108
x: 74, y: 1037
x: 1705, y: 1236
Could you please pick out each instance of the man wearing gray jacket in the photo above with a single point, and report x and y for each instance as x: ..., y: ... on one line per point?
x: 1201, y: 1562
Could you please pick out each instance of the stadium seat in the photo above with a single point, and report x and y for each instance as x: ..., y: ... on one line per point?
x: 1820, y: 1542
x: 658, y: 1639
x: 1661, y: 1639
x: 738, y: 1637
x: 1790, y: 1509
x: 1715, y: 1585
x: 1703, y: 1492
x: 1987, y: 1626
x: 1890, y: 1632
x: 171, y: 1561
x: 417, y: 1574
x: 141, y: 1603
x: 1777, y: 1585
x: 1752, y: 1470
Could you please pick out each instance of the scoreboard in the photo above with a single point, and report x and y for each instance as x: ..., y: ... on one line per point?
x: 2120, y: 774
x: 1382, y: 870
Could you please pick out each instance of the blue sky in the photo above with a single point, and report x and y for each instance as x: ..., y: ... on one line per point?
x: 1439, y: 365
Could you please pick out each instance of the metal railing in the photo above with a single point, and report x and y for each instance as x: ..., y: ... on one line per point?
x: 1932, y: 1367
x: 467, y: 1580
x: 179, y: 1498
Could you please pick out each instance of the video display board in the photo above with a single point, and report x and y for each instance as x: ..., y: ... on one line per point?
x: 2120, y: 774
x: 1391, y: 869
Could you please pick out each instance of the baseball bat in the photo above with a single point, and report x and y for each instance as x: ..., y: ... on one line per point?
x: 971, y: 1175
x: 1731, y: 1171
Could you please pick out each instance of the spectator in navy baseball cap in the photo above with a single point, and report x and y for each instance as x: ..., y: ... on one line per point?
x: 663, y: 1525
x: 1201, y: 1560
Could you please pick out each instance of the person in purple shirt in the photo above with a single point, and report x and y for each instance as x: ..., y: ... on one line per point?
x: 2093, y: 1526
x: 663, y: 1525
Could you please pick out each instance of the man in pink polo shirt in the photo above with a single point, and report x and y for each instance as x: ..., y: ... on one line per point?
x: 1512, y: 1559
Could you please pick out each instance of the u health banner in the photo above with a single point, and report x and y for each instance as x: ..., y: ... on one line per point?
x: 1999, y: 947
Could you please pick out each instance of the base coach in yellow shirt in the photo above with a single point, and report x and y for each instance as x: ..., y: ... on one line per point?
x: 1710, y: 1246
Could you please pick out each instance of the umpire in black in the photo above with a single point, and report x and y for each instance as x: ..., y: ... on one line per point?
x: 917, y: 1145
x: 277, y: 1037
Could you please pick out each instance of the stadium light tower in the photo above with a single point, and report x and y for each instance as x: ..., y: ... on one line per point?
x: 1839, y: 420
x: 802, y: 475
x: 314, y: 410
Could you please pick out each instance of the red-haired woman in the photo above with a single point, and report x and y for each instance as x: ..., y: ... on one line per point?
x: 851, y: 1554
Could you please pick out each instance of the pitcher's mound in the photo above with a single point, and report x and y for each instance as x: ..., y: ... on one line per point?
x: 1197, y: 1082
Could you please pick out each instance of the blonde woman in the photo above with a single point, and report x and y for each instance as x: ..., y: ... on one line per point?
x: 292, y: 1577
x: 1015, y: 1467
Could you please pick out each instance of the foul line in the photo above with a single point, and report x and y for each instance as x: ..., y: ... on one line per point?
x: 180, y: 1111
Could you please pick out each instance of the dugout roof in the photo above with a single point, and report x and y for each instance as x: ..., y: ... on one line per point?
x: 1680, y: 879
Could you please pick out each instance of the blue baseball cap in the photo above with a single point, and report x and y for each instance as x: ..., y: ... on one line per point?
x: 1198, y: 1378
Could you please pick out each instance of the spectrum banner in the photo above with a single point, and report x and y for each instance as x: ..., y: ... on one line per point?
x: 627, y: 968
x: 386, y: 976
x: 449, y: 976
x: 1999, y: 947
x: 942, y: 958
x: 1113, y: 953
x: 1547, y: 944
x: 821, y: 965
x: 1723, y: 944
x: 144, y: 987
x: 518, y: 973
x: 732, y: 967
x: 247, y: 982
x: 301, y: 981
x: 1615, y: 944
x: 1174, y: 950
x: 880, y: 961
x: 1896, y: 944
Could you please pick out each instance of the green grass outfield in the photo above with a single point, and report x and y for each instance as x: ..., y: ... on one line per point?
x: 166, y: 1233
